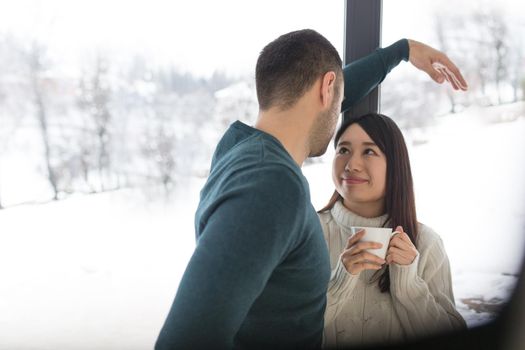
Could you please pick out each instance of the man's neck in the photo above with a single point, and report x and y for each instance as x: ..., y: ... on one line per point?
x: 291, y: 127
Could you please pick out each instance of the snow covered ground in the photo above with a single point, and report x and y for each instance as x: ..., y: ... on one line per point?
x: 91, y: 272
x: 100, y: 271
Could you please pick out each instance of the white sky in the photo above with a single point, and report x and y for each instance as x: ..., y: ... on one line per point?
x: 198, y: 35
x: 201, y: 36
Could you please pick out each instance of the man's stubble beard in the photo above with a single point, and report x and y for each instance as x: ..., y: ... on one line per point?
x: 323, y: 130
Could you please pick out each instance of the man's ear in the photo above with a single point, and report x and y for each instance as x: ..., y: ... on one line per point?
x: 328, y: 88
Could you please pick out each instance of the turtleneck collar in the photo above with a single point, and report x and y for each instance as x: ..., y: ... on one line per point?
x: 345, y: 218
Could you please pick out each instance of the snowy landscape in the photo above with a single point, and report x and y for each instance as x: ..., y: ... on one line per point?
x: 100, y: 271
x: 107, y: 130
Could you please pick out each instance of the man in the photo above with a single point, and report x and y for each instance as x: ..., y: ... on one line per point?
x: 260, y: 269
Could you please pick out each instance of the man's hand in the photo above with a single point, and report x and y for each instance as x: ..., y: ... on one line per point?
x: 436, y: 64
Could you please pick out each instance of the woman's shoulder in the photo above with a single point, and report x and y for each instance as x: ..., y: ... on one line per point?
x: 427, y: 237
x: 325, y: 217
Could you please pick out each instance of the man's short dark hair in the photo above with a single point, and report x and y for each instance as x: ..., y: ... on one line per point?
x: 288, y: 66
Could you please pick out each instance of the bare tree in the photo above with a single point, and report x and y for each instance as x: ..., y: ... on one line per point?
x: 13, y: 92
x: 498, y: 31
x: 95, y: 95
x: 493, y: 40
x: 518, y: 74
x: 523, y: 89
x: 159, y: 149
x: 35, y: 58
x: 159, y: 139
x: 483, y: 62
x: 440, y: 26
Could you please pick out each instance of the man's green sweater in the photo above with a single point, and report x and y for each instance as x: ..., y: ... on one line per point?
x: 259, y: 273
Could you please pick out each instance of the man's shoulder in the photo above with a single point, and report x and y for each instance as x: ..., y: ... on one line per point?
x: 262, y: 148
x: 263, y: 160
x: 274, y: 176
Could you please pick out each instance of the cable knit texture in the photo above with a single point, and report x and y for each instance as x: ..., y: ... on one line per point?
x: 420, y: 302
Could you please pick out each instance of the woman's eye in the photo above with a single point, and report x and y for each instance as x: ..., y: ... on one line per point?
x: 343, y: 150
x: 369, y: 151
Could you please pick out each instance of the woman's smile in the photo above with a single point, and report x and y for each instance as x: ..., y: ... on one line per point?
x: 354, y: 180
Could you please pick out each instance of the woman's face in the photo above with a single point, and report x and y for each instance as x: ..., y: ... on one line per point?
x: 359, y: 170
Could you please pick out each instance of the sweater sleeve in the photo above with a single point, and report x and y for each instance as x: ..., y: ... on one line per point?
x: 240, y: 246
x: 366, y: 73
x: 341, y: 285
x: 422, y: 293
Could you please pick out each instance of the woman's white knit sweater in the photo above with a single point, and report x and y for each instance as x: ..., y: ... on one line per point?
x: 420, y: 302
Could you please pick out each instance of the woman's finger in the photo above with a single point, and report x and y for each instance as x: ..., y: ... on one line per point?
x: 357, y: 263
x: 398, y: 242
x: 402, y: 253
x: 398, y: 230
x: 399, y: 260
x: 360, y: 246
x: 370, y: 257
x: 355, y: 238
x: 401, y: 257
x: 396, y: 259
x: 354, y: 257
x: 404, y: 237
x: 367, y: 245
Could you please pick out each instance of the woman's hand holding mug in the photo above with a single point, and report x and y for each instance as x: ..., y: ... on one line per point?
x: 355, y: 258
x: 401, y: 250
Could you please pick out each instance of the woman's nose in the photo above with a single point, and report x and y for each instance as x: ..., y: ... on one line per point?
x: 353, y: 164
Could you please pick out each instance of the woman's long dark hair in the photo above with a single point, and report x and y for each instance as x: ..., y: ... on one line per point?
x: 400, y: 204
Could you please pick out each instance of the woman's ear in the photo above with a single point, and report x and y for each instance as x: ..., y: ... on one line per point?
x: 328, y: 88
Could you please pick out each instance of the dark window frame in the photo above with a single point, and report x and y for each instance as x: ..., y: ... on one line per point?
x: 362, y: 36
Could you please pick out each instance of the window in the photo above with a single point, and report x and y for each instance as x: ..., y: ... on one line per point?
x: 114, y: 109
x: 466, y: 148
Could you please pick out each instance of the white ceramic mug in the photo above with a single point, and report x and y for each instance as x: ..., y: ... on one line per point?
x: 376, y: 234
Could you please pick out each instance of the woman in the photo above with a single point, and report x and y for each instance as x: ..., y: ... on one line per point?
x: 371, y: 300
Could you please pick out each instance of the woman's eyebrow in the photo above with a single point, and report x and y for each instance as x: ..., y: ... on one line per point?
x: 348, y: 143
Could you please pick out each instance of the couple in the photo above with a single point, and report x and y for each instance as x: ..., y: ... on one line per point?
x: 261, y: 275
